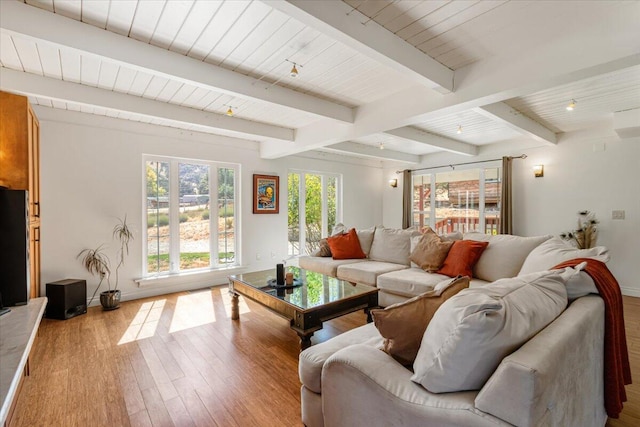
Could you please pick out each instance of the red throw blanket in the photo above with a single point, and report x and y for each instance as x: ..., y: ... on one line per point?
x: 617, y: 372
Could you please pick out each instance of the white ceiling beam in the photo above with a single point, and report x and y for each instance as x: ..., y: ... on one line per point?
x: 514, y: 119
x: 341, y: 22
x: 45, y: 87
x: 541, y: 66
x: 46, y: 27
x: 433, y: 140
x: 627, y: 123
x: 375, y: 152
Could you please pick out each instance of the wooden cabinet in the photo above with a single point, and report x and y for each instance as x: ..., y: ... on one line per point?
x: 20, y: 166
x: 34, y: 254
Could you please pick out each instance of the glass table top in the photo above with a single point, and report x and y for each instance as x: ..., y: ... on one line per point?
x: 317, y: 289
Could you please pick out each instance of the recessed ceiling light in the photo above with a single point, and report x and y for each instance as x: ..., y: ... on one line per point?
x: 571, y: 105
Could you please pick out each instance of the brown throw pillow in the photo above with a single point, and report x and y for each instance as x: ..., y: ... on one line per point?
x: 431, y: 251
x: 324, y: 250
x: 402, y: 325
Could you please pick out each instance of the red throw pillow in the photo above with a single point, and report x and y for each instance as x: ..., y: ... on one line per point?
x: 346, y: 246
x: 464, y: 254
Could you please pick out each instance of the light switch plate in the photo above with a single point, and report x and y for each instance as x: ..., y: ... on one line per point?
x: 617, y: 214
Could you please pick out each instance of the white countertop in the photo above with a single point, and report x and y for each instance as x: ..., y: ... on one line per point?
x: 18, y: 330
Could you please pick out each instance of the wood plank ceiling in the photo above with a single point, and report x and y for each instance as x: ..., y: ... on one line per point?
x: 258, y: 40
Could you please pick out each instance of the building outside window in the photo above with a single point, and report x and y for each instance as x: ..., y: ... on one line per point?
x: 190, y: 219
x: 467, y: 200
x: 314, y: 208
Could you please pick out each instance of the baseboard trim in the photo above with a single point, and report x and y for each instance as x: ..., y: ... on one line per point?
x: 630, y: 292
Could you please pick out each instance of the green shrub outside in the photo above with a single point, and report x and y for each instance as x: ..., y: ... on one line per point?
x: 205, y: 215
x: 183, y: 218
x: 225, y: 211
x: 163, y: 219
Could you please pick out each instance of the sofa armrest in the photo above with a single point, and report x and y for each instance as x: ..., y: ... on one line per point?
x: 556, y: 378
x: 362, y: 385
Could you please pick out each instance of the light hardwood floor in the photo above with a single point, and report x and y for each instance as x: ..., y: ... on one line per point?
x: 179, y: 360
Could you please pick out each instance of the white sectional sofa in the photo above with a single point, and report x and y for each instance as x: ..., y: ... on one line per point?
x: 554, y: 379
x: 388, y: 266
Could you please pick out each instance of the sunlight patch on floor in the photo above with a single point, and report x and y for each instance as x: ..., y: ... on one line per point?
x: 145, y: 322
x: 192, y: 310
x: 226, y: 299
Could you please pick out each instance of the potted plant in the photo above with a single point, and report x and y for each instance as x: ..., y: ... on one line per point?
x: 97, y: 262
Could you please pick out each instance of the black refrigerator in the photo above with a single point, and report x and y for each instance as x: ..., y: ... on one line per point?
x: 14, y: 247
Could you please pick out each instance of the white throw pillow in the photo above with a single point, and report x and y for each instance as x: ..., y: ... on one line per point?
x: 392, y: 245
x: 504, y: 256
x: 474, y: 330
x: 554, y: 251
x: 366, y: 239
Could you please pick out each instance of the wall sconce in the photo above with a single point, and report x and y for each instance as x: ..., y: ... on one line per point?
x: 393, y: 182
x: 538, y: 171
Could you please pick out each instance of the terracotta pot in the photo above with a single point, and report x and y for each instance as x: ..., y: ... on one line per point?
x: 110, y: 300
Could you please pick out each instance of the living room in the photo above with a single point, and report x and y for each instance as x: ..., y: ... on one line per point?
x: 340, y: 115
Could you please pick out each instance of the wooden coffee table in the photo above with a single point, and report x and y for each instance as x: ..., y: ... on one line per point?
x: 320, y: 298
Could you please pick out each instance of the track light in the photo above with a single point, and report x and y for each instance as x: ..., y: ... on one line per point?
x: 381, y: 146
x: 571, y: 105
x: 230, y: 112
x: 294, y: 69
x: 459, y: 131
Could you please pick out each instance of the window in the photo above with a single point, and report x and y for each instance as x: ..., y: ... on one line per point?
x: 467, y: 200
x: 190, y: 217
x: 313, y: 209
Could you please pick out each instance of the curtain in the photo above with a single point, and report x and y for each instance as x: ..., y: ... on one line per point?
x: 407, y: 198
x: 506, y: 206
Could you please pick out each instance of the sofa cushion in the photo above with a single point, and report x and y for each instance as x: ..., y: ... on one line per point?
x: 366, y: 272
x: 365, y: 237
x: 409, y: 282
x: 312, y: 359
x: 346, y: 246
x: 554, y: 251
x: 430, y: 251
x: 474, y: 330
x: 327, y: 266
x: 504, y: 256
x: 402, y: 325
x: 391, y: 245
x: 462, y: 256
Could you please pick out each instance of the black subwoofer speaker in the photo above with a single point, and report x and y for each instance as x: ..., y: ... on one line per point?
x: 67, y: 298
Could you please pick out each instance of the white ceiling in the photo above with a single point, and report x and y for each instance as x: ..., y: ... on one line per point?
x: 403, y: 73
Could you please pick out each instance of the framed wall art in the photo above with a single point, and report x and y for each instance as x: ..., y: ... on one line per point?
x: 266, y: 194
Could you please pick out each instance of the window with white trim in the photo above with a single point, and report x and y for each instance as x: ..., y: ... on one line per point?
x: 190, y: 220
x: 464, y: 200
x: 314, y: 209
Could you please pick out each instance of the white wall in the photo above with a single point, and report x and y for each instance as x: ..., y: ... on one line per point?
x: 92, y: 171
x: 578, y: 175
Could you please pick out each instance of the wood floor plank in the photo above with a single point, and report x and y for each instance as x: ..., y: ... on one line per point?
x: 104, y: 369
x: 156, y: 408
x: 178, y: 412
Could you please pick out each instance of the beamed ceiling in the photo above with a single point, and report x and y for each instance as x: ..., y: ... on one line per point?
x: 407, y: 74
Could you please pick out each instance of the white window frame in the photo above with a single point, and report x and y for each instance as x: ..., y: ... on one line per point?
x: 302, y: 237
x: 174, y: 215
x: 481, y: 193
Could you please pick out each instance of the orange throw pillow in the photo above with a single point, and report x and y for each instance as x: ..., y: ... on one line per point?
x: 346, y: 246
x: 464, y: 254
